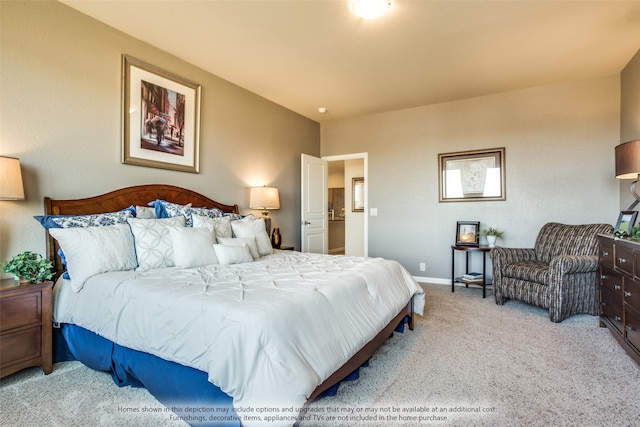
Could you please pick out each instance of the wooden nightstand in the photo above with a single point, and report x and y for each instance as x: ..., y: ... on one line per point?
x: 286, y: 248
x: 25, y: 327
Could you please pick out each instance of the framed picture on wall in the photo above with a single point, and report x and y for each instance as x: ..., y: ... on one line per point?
x: 472, y: 176
x: 160, y: 118
x: 468, y: 233
x: 626, y: 220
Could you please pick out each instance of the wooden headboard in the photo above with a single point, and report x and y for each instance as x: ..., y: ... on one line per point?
x: 139, y: 195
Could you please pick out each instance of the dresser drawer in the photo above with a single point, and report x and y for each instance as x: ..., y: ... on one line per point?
x: 611, y: 308
x: 624, y: 259
x: 606, y: 251
x: 612, y: 281
x: 632, y: 328
x: 19, y: 310
x: 632, y: 294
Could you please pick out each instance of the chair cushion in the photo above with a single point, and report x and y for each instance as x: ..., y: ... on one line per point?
x: 532, y: 271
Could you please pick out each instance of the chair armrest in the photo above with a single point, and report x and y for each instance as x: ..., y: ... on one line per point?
x: 569, y: 264
x: 503, y: 256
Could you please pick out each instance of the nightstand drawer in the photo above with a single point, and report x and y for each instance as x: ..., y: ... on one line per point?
x: 25, y: 327
x: 20, y: 310
x: 21, y: 345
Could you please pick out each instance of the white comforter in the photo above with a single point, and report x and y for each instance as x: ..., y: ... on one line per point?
x: 267, y: 332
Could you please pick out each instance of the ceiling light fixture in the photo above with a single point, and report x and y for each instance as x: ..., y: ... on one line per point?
x: 370, y: 9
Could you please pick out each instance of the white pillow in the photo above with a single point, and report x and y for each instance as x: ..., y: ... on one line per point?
x: 154, y: 248
x: 192, y: 247
x: 221, y: 226
x: 250, y: 242
x: 93, y: 250
x: 232, y: 254
x: 255, y: 228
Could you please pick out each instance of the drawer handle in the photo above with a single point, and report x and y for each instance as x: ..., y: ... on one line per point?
x: 622, y: 260
x: 629, y: 328
x: 605, y: 253
x: 627, y: 294
x: 619, y: 319
x: 603, y: 277
x: 617, y: 287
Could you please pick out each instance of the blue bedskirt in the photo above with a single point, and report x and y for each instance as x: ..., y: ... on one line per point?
x: 186, y: 391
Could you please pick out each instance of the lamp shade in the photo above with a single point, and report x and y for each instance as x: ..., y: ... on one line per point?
x: 11, y: 187
x: 264, y: 198
x: 628, y: 160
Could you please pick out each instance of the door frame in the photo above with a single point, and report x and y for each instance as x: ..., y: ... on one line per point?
x: 365, y: 158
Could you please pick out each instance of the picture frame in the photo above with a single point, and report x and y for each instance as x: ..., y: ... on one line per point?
x: 468, y: 233
x: 160, y: 118
x: 357, y: 194
x: 472, y: 176
x: 626, y: 220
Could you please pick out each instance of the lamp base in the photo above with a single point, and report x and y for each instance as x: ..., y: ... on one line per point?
x: 267, y: 225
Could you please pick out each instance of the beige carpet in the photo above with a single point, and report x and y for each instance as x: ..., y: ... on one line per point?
x: 468, y: 362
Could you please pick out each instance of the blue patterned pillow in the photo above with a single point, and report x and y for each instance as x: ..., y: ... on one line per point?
x: 166, y: 209
x: 237, y: 217
x: 92, y: 220
x: 210, y: 213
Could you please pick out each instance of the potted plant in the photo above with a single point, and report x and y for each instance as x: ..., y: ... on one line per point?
x: 29, y: 267
x: 492, y: 234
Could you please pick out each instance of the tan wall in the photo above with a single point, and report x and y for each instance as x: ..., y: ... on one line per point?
x: 629, y: 116
x: 60, y: 114
x: 559, y: 142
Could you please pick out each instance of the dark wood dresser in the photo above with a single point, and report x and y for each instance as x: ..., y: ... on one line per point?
x: 25, y: 327
x: 620, y: 291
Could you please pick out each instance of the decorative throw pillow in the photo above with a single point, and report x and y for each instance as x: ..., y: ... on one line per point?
x: 154, y: 248
x: 92, y: 250
x: 255, y: 228
x: 220, y: 226
x: 92, y: 220
x: 192, y: 246
x: 232, y: 254
x: 250, y: 242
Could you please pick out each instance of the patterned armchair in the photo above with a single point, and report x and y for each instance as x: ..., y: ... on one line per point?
x: 559, y: 274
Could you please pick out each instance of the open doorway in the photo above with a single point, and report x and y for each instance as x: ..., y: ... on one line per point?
x: 347, y: 225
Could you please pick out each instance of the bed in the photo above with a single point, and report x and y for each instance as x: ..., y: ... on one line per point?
x: 233, y: 341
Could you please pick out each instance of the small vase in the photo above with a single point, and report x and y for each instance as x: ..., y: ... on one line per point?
x: 276, y: 238
x: 491, y: 240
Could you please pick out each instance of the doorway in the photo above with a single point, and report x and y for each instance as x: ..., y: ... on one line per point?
x: 347, y: 222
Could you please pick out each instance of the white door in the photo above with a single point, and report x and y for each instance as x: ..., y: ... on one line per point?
x: 314, y: 205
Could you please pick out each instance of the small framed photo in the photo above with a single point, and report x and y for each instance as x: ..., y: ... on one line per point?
x: 468, y: 233
x: 626, y: 220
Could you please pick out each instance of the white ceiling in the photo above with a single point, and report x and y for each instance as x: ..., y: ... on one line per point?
x: 306, y: 54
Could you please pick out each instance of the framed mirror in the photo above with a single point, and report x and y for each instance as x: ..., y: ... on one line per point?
x: 357, y: 195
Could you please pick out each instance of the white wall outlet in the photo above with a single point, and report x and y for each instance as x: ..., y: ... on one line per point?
x: 423, y: 266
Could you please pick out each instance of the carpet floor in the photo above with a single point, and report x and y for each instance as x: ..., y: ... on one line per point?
x: 469, y: 362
